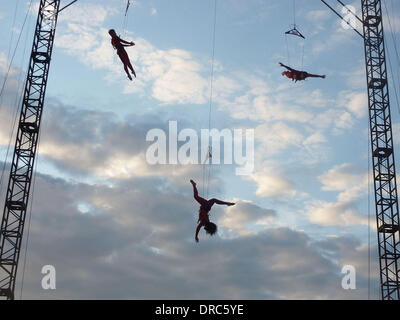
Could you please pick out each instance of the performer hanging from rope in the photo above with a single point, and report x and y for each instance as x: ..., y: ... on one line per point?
x: 297, y: 75
x: 119, y: 45
x: 205, y: 207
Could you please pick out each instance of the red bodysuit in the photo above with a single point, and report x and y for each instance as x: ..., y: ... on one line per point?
x: 116, y: 43
x: 203, y: 216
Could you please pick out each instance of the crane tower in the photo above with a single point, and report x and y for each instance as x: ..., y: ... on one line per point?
x: 19, y: 184
x: 384, y: 173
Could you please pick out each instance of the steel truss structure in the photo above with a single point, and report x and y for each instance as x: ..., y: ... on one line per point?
x: 384, y: 172
x: 19, y: 184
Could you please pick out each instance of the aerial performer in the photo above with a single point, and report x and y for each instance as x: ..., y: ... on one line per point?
x: 119, y: 45
x: 297, y: 75
x: 205, y: 207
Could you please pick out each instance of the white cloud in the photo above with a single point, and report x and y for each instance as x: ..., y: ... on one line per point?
x: 243, y: 218
x: 315, y: 138
x: 338, y: 37
x: 344, y: 121
x: 182, y: 82
x: 272, y: 184
x: 351, y: 181
x: 335, y: 214
x: 174, y: 75
x: 144, y: 227
x: 315, y: 98
x: 356, y: 78
x: 318, y: 15
x: 355, y: 102
x: 277, y: 137
x: 353, y: 185
x: 87, y: 14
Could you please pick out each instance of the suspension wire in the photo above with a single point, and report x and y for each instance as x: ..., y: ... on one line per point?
x: 287, y: 48
x: 397, y: 56
x: 209, y: 174
x: 126, y: 18
x: 392, y: 33
x: 294, y: 12
x: 393, y: 81
x: 389, y: 58
x: 17, y: 105
x: 13, y: 56
x: 393, y: 10
x: 391, y: 68
x: 12, y: 129
x: 206, y: 178
x: 349, y: 11
x: 369, y: 212
x: 12, y: 28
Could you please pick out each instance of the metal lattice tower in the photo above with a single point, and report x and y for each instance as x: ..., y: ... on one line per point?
x: 386, y: 200
x: 16, y: 203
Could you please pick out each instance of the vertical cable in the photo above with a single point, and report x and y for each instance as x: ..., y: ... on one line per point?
x: 369, y: 214
x: 206, y: 179
x: 287, y: 48
x: 15, y: 51
x: 294, y: 12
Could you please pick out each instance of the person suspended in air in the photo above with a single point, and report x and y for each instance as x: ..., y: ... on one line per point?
x: 297, y: 75
x: 205, y: 207
x: 119, y: 44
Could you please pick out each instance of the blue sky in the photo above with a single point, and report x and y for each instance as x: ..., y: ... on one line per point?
x: 303, y: 212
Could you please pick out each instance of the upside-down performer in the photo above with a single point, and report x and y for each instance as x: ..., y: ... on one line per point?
x: 119, y: 45
x: 205, y: 208
x: 297, y: 75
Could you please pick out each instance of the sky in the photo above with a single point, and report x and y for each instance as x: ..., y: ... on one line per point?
x: 116, y: 227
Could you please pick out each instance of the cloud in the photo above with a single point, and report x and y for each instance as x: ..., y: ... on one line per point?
x: 181, y: 81
x: 100, y: 145
x: 318, y: 15
x: 335, y: 214
x: 133, y: 214
x: 173, y: 76
x: 271, y: 184
x: 392, y: 21
x: 87, y: 14
x: 338, y: 38
x: 277, y: 137
x: 352, y: 184
x: 347, y: 178
x: 355, y: 78
x: 145, y: 228
x: 12, y: 70
x: 238, y: 219
x: 315, y: 138
x: 355, y: 102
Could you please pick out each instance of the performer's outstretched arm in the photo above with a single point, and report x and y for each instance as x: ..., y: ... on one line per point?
x: 126, y: 42
x: 196, y: 237
x: 316, y: 76
x: 285, y: 66
x: 220, y: 202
